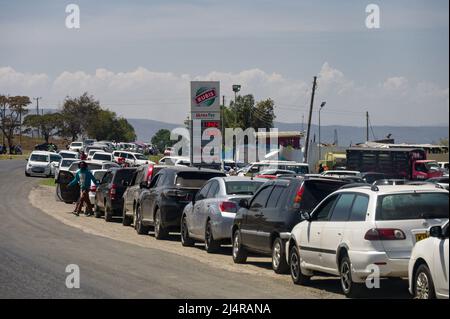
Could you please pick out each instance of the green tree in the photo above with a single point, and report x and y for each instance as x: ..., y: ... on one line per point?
x: 12, y: 108
x: 161, y: 140
x: 48, y: 124
x: 245, y: 113
x: 263, y: 114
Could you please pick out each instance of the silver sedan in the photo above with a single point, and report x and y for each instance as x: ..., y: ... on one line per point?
x: 209, y: 217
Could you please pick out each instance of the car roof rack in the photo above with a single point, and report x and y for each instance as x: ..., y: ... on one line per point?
x: 353, y: 185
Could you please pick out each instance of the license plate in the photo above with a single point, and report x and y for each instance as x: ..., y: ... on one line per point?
x: 421, y: 236
x: 37, y: 170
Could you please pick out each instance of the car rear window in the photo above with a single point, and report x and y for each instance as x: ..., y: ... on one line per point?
x: 242, y: 187
x: 124, y: 175
x: 299, y: 169
x: 315, y: 191
x: 99, y: 175
x: 68, y: 155
x: 102, y: 157
x: 412, y: 206
x: 194, y: 179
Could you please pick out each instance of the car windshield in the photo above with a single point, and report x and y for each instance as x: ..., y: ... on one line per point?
x: 299, y: 169
x: 55, y: 158
x: 432, y: 166
x: 194, y: 179
x: 66, y: 163
x: 77, y: 144
x: 68, y: 155
x: 102, y: 157
x: 412, y: 206
x: 39, y: 158
x: 242, y: 187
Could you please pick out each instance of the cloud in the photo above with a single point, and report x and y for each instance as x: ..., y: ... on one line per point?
x: 164, y: 96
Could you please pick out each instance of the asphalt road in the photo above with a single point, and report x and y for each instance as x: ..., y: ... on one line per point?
x: 36, y: 248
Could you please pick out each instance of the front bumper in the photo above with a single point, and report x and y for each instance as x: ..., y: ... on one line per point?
x: 38, y: 171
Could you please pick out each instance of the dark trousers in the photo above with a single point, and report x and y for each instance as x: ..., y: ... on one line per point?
x: 84, y: 199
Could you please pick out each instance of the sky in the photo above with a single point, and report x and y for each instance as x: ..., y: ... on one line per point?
x: 138, y: 57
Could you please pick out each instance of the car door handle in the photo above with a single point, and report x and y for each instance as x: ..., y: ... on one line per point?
x: 339, y: 234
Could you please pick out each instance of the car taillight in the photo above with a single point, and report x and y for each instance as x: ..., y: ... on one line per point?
x: 228, y: 207
x: 93, y: 189
x: 112, y: 192
x: 148, y: 178
x: 299, y: 195
x: 384, y: 234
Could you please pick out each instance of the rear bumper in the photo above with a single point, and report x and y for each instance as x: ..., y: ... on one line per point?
x: 221, y: 226
x: 365, y: 263
x: 171, y: 215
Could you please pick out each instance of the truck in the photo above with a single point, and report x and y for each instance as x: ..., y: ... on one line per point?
x: 405, y: 163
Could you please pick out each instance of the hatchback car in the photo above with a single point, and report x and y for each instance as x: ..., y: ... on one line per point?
x: 264, y: 223
x: 355, y: 229
x: 41, y: 163
x: 162, y: 204
x: 209, y: 217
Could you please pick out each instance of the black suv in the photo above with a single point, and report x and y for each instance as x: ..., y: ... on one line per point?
x: 162, y: 204
x: 140, y: 181
x: 108, y: 197
x: 265, y: 221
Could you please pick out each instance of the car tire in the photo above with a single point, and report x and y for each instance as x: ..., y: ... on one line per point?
x: 423, y: 283
x: 295, y: 268
x: 108, y: 213
x: 350, y: 288
x: 186, y: 241
x: 160, y: 231
x: 126, y: 220
x: 211, y: 245
x: 279, y: 263
x: 97, y: 212
x: 140, y: 228
x: 27, y: 174
x: 239, y: 252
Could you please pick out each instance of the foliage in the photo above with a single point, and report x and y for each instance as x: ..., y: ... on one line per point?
x: 246, y: 113
x: 12, y: 108
x: 49, y: 125
x: 161, y: 140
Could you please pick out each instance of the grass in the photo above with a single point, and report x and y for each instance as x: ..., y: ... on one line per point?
x: 10, y: 157
x: 155, y: 158
x: 48, y: 182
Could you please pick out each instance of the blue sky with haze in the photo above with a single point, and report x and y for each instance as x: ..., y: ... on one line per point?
x: 138, y: 57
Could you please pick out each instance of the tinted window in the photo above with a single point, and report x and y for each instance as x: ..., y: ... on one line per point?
x: 412, y: 206
x: 214, y: 190
x: 260, y: 199
x: 66, y: 163
x: 194, y: 179
x: 39, y: 158
x: 107, y: 178
x: 242, y: 187
x: 341, y: 211
x: 102, y: 157
x: 315, y: 191
x: 123, y: 175
x: 275, y: 196
x: 55, y: 158
x: 99, y: 175
x: 68, y: 155
x: 323, y: 212
x: 359, y: 209
x: 203, y: 192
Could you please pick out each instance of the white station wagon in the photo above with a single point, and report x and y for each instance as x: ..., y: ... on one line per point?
x: 354, y: 230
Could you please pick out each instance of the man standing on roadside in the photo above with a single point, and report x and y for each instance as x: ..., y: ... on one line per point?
x: 83, y: 177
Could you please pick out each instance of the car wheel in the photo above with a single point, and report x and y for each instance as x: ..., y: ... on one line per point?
x: 296, y: 269
x: 349, y: 287
x: 97, y: 212
x: 108, y: 213
x: 160, y: 231
x: 27, y: 174
x: 126, y: 220
x: 186, y: 241
x: 279, y: 263
x: 140, y: 228
x: 211, y: 245
x: 423, y: 283
x: 239, y: 252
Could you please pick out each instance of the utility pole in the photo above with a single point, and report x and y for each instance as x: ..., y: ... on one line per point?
x: 367, y: 126
x: 37, y: 110
x: 305, y: 156
x: 222, y: 126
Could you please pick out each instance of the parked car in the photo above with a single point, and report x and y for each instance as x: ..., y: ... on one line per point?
x: 76, y: 146
x: 39, y: 163
x: 441, y: 181
x: 133, y: 159
x: 132, y: 196
x: 108, y: 196
x: 428, y: 266
x: 255, y: 168
x: 101, y: 157
x: 173, y: 160
x: 93, y: 165
x: 98, y: 175
x: 170, y: 190
x: 63, y: 165
x: 68, y: 154
x: 371, y: 177
x: 209, y: 217
x: 46, y: 147
x: 354, y: 229
x: 391, y: 181
x: 264, y: 223
x: 274, y: 173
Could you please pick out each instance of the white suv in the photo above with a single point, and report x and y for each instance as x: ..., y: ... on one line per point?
x: 356, y: 231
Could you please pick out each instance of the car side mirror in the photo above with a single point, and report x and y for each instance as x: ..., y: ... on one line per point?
x: 244, y: 203
x: 305, y: 215
x: 436, y: 231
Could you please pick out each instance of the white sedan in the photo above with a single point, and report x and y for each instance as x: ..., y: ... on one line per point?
x: 428, y: 266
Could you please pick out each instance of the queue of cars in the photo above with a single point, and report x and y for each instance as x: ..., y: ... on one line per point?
x: 337, y: 223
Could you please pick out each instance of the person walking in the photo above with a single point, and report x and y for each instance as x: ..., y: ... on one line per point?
x: 83, y: 177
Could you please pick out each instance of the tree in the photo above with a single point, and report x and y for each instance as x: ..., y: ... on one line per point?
x: 161, y: 140
x: 107, y: 126
x: 263, y: 114
x: 12, y: 108
x: 49, y: 124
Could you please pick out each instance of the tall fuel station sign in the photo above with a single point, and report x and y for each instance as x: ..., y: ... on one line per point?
x: 205, y: 114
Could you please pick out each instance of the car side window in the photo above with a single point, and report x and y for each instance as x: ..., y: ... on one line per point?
x: 341, y: 211
x: 154, y: 181
x: 359, y: 208
x: 203, y: 192
x: 161, y: 180
x: 322, y: 213
x: 275, y: 197
x: 214, y: 190
x: 107, y: 178
x: 260, y: 200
